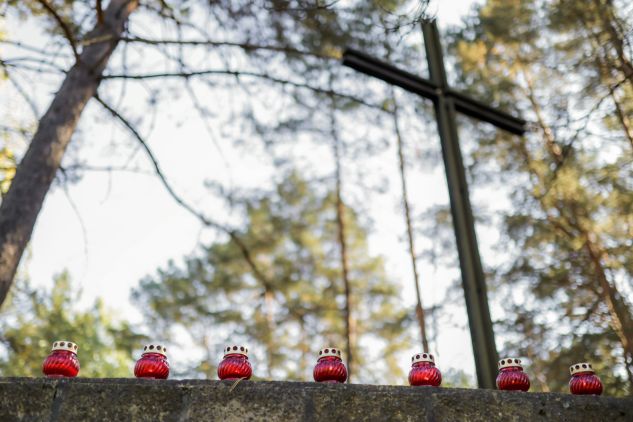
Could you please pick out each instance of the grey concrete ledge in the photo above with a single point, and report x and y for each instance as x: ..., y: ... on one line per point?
x: 40, y: 399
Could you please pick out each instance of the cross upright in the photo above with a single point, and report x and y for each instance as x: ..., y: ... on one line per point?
x: 447, y: 102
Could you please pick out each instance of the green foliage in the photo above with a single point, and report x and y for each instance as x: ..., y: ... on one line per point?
x: 34, y: 318
x: 295, y: 307
x: 7, y: 169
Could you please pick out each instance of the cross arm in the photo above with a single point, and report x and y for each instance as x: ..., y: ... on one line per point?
x: 478, y: 110
x: 428, y: 89
x: 389, y: 73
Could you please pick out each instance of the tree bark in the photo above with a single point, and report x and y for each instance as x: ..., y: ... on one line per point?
x: 37, y: 170
x: 419, y: 309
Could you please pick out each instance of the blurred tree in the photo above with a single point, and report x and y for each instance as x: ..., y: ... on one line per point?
x: 285, y: 44
x: 33, y: 318
x: 293, y: 236
x: 567, y: 236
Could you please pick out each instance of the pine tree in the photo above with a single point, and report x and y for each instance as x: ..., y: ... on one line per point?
x: 293, y: 237
x: 285, y: 47
x: 33, y: 318
x: 567, y: 235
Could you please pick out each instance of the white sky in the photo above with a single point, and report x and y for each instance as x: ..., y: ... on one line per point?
x: 132, y: 226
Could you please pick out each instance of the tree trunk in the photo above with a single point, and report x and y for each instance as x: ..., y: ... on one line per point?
x: 270, y: 324
x: 419, y: 309
x: 609, y: 20
x: 37, y: 170
x: 619, y: 310
x: 621, y: 318
x: 350, y: 323
x: 627, y: 126
x: 305, y: 350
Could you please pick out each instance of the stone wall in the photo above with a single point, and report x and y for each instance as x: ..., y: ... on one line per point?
x: 39, y: 399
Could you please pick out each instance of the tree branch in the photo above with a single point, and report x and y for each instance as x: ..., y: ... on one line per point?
x: 180, y: 201
x: 24, y: 46
x: 238, y: 74
x: 99, y: 8
x: 64, y: 27
x: 245, y: 46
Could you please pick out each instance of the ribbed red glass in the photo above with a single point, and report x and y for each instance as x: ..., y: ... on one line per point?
x: 330, y: 369
x: 585, y: 383
x: 61, y: 364
x: 235, y: 366
x: 425, y: 373
x: 152, y: 365
x: 513, y: 378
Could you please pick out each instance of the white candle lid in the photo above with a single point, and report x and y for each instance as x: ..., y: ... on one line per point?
x: 422, y: 357
x: 155, y: 348
x: 241, y: 350
x: 329, y: 351
x: 65, y: 345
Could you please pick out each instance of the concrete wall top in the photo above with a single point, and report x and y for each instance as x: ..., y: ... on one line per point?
x: 40, y: 399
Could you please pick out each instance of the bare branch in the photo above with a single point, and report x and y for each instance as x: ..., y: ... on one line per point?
x: 16, y: 62
x: 64, y: 27
x: 569, y: 146
x: 180, y: 201
x: 238, y: 74
x: 20, y: 90
x: 203, y: 112
x: 80, y: 220
x: 30, y: 68
x: 245, y: 46
x: 105, y: 169
x: 33, y: 49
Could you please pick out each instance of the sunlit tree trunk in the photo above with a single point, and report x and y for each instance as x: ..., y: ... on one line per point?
x: 419, y: 309
x: 350, y: 323
x: 35, y: 173
x: 305, y: 350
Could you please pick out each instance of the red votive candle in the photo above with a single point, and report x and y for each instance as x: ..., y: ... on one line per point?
x: 330, y: 367
x: 511, y: 375
x: 153, y: 363
x: 62, y: 362
x: 235, y: 364
x: 584, y: 380
x: 423, y: 371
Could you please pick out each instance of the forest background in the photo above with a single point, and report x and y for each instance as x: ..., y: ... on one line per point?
x: 232, y: 182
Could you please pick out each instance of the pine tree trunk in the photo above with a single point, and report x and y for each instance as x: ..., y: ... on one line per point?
x: 621, y: 317
x: 619, y: 310
x: 305, y: 350
x: 419, y: 309
x: 350, y: 323
x: 35, y: 173
x: 270, y: 324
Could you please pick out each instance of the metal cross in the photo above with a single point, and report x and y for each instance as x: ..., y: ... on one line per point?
x: 447, y: 102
